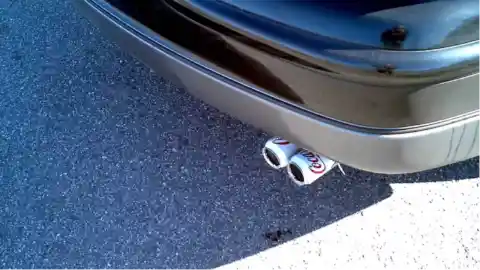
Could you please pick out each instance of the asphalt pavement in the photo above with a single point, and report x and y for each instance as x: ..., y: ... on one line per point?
x: 104, y: 164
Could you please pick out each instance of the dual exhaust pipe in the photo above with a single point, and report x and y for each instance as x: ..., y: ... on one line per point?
x: 304, y: 167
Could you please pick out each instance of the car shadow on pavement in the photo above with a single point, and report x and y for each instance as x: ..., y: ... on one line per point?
x: 238, y: 208
x: 196, y: 190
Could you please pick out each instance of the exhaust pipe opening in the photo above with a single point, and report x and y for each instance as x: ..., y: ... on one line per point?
x: 306, y: 167
x: 271, y: 158
x: 277, y: 152
x: 296, y: 173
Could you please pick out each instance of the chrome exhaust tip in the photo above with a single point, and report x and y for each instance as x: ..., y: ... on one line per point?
x: 277, y: 152
x: 306, y: 167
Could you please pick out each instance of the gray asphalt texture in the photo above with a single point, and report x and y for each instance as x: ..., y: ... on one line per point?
x: 104, y: 164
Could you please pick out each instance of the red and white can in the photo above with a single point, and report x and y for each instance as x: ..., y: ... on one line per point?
x: 306, y: 167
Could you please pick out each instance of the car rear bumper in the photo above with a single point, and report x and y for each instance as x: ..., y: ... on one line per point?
x: 369, y: 149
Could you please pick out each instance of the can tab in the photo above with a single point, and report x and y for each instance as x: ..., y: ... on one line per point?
x: 340, y: 168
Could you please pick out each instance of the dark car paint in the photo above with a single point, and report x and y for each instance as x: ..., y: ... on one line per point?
x: 214, y: 67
